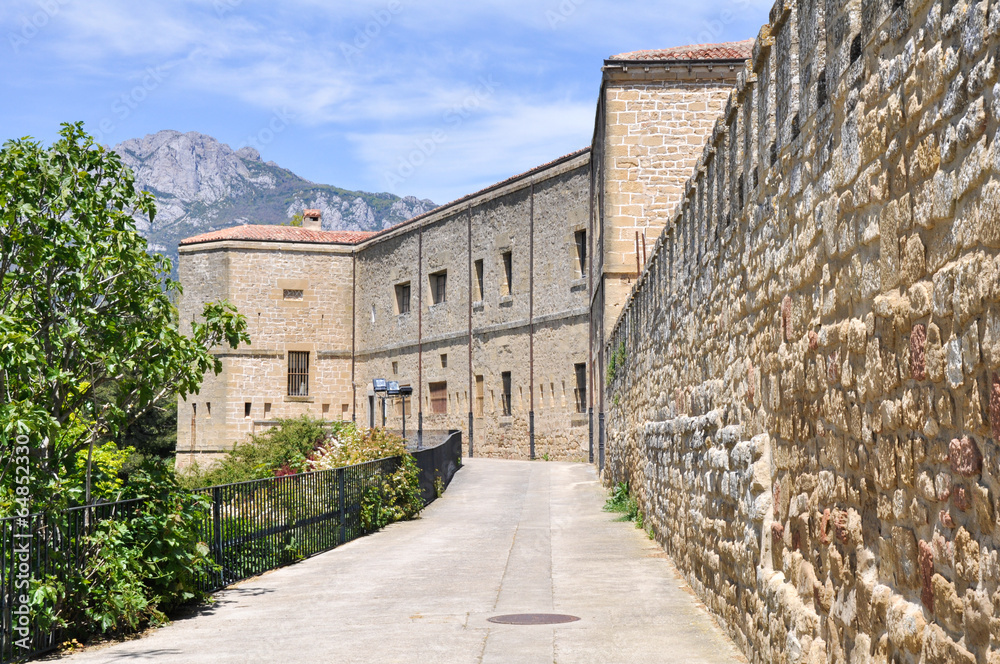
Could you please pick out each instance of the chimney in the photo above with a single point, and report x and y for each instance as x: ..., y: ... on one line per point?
x: 312, y: 219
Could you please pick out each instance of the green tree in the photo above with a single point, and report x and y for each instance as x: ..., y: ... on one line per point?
x: 84, y: 305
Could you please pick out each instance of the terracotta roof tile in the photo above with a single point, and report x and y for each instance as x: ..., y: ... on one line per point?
x: 260, y: 233
x: 738, y: 50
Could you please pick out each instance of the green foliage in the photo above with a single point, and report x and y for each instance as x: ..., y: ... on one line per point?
x: 616, y: 362
x: 129, y: 569
x: 281, y: 449
x: 153, y: 433
x: 623, y: 502
x: 296, y: 220
x: 84, y: 305
x: 397, y: 499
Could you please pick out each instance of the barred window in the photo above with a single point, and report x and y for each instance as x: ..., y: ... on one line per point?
x: 298, y: 374
x: 293, y: 294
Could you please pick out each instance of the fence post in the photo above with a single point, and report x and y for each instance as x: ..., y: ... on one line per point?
x: 340, y: 504
x: 217, y: 528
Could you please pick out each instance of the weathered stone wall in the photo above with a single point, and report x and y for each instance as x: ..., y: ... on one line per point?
x: 806, y: 399
x: 431, y: 343
x: 254, y: 277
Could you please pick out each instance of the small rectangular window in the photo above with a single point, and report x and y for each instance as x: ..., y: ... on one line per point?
x: 344, y: 411
x: 267, y: 411
x: 326, y: 411
x: 439, y: 397
x: 505, y: 396
x: 292, y: 294
x: 508, y: 272
x: 444, y: 360
x: 581, y: 388
x: 479, y: 395
x: 246, y: 409
x: 581, y: 252
x: 395, y: 368
x: 403, y: 298
x: 298, y: 373
x: 208, y: 409
x: 439, y: 287
x: 479, y: 280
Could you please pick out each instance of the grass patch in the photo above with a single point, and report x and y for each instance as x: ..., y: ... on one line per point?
x: 624, y: 503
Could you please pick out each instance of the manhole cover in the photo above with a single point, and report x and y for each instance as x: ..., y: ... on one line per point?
x: 533, y: 619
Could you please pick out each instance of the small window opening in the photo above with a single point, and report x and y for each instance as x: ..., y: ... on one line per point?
x: 246, y: 409
x: 403, y: 298
x: 508, y: 272
x: 480, y: 396
x: 505, y: 396
x: 292, y: 294
x: 479, y: 280
x: 439, y: 287
x: 444, y: 360
x: 580, y: 393
x: 581, y: 252
x: 395, y: 368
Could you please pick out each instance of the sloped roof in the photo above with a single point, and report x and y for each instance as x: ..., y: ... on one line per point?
x: 738, y: 50
x: 260, y: 233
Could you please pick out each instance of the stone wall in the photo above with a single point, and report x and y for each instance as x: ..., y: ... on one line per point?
x: 805, y: 396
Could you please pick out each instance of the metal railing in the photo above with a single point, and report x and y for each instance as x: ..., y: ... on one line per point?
x: 250, y: 528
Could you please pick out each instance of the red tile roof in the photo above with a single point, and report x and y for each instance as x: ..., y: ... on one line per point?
x: 738, y: 50
x: 260, y: 233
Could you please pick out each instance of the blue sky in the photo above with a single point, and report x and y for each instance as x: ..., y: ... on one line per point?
x: 435, y: 99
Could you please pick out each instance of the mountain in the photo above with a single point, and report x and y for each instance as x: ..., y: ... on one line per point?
x: 203, y: 185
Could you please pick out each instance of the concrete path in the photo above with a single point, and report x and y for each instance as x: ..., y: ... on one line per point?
x: 507, y: 537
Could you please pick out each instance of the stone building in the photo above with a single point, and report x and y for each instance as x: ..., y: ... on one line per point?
x: 491, y: 308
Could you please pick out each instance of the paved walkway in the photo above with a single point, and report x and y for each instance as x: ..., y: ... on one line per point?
x: 507, y: 537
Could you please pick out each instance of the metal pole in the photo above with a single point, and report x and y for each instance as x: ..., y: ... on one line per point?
x: 471, y: 426
x: 420, y: 430
x: 590, y: 434
x: 600, y: 441
x: 383, y: 412
x: 531, y: 433
x: 340, y: 504
x: 404, y: 417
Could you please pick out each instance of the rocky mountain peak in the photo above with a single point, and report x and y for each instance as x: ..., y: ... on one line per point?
x: 203, y: 185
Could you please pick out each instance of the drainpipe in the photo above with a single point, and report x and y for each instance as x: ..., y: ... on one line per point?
x: 471, y: 396
x: 531, y: 324
x: 354, y: 334
x: 420, y: 337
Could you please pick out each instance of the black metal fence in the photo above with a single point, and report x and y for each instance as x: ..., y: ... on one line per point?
x: 263, y: 524
x: 438, y: 465
x: 250, y: 527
